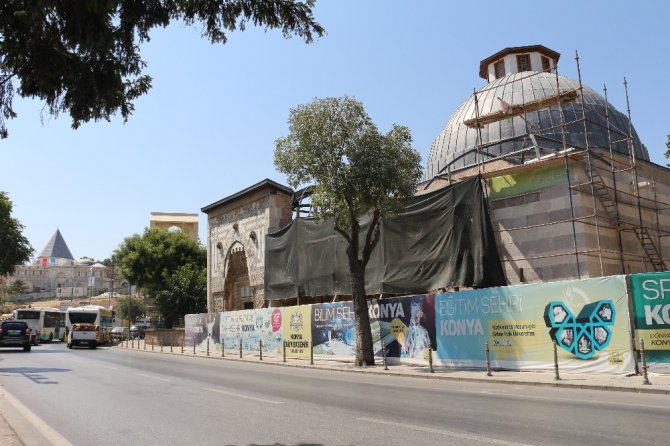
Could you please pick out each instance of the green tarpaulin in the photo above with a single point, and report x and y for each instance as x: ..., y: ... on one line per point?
x: 442, y: 239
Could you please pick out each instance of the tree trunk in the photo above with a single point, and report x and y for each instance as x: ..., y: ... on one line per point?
x: 365, y: 355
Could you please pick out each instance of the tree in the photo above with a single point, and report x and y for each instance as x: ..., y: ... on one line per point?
x: 357, y: 172
x: 132, y: 308
x: 18, y: 287
x: 667, y: 152
x: 84, y: 57
x: 14, y: 247
x: 185, y: 293
x: 148, y: 260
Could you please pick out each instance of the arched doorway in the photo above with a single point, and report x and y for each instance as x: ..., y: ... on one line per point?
x: 238, y: 294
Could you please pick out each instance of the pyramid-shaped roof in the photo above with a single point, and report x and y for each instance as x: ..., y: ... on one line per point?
x: 57, y: 247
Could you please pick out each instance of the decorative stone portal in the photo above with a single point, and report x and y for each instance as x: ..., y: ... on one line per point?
x: 238, y: 294
x: 236, y: 229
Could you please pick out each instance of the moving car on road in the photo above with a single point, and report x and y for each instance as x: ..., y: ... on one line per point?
x: 15, y: 334
x: 83, y: 335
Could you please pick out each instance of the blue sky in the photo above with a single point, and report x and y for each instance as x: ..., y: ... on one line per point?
x: 207, y: 128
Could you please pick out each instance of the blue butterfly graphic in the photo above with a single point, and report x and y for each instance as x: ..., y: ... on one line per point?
x: 585, y: 334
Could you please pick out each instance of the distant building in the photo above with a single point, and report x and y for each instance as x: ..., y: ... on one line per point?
x: 56, y: 273
x: 187, y: 223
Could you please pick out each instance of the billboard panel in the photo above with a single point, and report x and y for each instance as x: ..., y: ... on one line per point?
x: 297, y: 331
x: 405, y: 325
x: 198, y: 328
x: 334, y: 330
x: 251, y: 327
x: 588, y: 319
x: 651, y: 308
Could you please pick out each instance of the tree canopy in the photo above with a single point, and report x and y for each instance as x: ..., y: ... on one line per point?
x: 185, y: 293
x: 132, y: 308
x: 357, y: 172
x: 150, y: 259
x: 667, y: 144
x: 84, y: 58
x: 14, y: 247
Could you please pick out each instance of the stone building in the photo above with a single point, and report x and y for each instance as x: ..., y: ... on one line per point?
x: 56, y: 273
x: 236, y: 228
x: 570, y: 188
x: 572, y: 192
x: 187, y: 223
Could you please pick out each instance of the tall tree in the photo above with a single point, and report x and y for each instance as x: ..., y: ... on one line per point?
x: 132, y: 308
x: 150, y: 259
x: 14, y: 247
x: 185, y: 293
x: 84, y: 57
x: 356, y: 171
x: 667, y: 144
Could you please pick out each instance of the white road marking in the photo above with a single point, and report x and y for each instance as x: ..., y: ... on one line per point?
x: 570, y: 400
x: 153, y: 377
x: 247, y: 397
x: 447, y: 433
x: 49, y: 433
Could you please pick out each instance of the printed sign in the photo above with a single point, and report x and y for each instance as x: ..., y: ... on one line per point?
x: 651, y: 307
x: 334, y: 329
x: 406, y: 326
x: 520, y: 323
x: 297, y: 330
x: 251, y: 327
x: 199, y: 329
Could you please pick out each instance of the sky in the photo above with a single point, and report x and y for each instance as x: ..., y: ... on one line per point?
x: 208, y: 126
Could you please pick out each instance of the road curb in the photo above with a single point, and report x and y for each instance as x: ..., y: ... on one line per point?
x: 367, y: 370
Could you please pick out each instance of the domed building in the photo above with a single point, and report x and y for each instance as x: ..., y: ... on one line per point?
x: 568, y: 188
x: 571, y: 190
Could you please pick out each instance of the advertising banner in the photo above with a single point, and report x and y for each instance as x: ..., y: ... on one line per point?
x: 588, y: 319
x: 651, y: 308
x: 334, y: 330
x: 198, y: 328
x: 405, y: 325
x: 297, y: 331
x: 251, y: 327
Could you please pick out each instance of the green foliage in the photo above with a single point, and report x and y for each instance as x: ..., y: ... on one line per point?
x: 148, y: 260
x: 667, y: 144
x: 14, y: 247
x: 356, y: 170
x: 84, y: 57
x: 358, y: 173
x: 185, y: 292
x: 133, y: 307
x: 18, y: 287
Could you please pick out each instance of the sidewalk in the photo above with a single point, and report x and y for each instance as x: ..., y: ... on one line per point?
x: 660, y: 384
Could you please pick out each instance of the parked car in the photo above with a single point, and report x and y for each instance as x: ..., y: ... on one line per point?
x: 137, y: 332
x: 119, y: 334
x: 15, y: 334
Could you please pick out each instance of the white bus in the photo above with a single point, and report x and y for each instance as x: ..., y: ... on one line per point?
x: 101, y: 317
x: 46, y: 324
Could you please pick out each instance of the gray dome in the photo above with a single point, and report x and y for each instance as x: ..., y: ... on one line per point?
x: 510, y: 134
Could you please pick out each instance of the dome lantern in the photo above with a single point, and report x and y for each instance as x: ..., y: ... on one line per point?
x: 516, y: 60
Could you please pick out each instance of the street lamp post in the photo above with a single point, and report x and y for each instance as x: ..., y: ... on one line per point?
x: 111, y: 293
x: 91, y: 281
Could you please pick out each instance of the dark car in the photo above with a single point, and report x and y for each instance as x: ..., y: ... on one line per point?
x: 136, y: 332
x: 15, y: 334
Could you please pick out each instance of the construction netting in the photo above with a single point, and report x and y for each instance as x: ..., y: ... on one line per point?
x: 442, y: 239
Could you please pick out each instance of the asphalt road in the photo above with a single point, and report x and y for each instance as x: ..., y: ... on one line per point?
x: 116, y: 397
